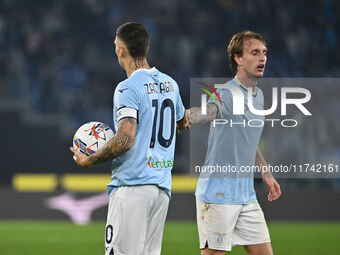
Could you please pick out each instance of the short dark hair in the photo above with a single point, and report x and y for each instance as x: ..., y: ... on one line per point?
x: 236, y: 44
x: 136, y: 39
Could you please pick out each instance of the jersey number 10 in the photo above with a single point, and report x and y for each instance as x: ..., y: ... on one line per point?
x: 161, y: 140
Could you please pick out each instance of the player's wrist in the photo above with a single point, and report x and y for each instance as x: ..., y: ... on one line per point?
x: 88, y: 162
x: 266, y: 174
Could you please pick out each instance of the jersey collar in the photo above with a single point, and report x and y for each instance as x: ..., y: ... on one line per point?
x: 244, y: 87
x: 145, y: 70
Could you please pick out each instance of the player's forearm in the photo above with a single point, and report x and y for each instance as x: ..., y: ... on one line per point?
x: 117, y: 146
x: 197, y: 118
x: 262, y: 164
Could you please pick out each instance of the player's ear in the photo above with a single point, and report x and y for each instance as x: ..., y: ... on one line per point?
x: 121, y: 51
x: 237, y: 59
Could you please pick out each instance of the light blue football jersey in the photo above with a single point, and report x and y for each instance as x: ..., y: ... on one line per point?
x: 233, y: 146
x: 156, y: 97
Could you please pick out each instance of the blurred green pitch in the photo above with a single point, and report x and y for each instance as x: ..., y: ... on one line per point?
x: 60, y: 237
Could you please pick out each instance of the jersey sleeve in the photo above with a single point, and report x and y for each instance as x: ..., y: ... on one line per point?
x: 126, y: 103
x: 126, y: 96
x: 225, y: 109
x: 180, y: 110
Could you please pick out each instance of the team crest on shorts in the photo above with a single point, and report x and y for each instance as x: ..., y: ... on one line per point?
x: 220, y: 239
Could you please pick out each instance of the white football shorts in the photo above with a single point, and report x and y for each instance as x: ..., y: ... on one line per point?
x: 135, y: 220
x: 222, y: 226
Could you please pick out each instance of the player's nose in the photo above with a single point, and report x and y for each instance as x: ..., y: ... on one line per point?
x: 262, y: 57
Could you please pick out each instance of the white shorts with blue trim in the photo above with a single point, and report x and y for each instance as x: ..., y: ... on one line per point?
x: 222, y: 226
x: 135, y: 220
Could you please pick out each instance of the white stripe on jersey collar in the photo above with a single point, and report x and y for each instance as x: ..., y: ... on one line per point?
x: 241, y: 85
x: 144, y: 69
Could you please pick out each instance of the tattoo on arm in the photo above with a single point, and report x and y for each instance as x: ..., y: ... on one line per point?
x: 119, y: 144
x: 196, y: 117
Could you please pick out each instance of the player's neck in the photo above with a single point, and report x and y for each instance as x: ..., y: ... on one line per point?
x: 135, y: 64
x: 247, y: 81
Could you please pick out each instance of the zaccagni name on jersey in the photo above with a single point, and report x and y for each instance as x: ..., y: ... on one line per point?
x: 163, y: 87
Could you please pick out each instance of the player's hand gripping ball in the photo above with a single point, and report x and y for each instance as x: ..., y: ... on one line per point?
x: 92, y: 136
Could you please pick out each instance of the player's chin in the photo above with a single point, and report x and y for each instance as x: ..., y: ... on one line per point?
x: 258, y: 74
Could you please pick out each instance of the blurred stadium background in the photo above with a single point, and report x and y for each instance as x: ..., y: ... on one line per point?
x: 58, y: 70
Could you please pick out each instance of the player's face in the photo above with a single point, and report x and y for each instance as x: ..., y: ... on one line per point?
x: 118, y: 44
x: 253, y: 60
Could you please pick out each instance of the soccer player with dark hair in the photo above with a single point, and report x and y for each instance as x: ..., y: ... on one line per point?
x: 228, y: 213
x: 147, y: 107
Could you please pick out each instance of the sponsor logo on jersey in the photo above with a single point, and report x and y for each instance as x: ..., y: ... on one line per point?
x: 122, y: 90
x: 161, y: 163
